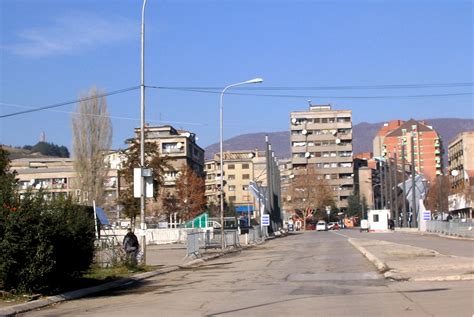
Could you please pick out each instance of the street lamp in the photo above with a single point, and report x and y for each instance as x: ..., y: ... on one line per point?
x: 221, y: 108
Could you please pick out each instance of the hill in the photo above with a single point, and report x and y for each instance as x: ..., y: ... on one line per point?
x: 363, y: 134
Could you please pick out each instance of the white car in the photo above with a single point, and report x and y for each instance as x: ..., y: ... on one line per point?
x: 321, y: 226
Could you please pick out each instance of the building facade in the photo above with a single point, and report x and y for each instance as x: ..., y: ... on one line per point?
x: 178, y: 145
x: 56, y: 177
x: 240, y: 167
x: 461, y: 172
x: 427, y: 147
x: 322, y: 137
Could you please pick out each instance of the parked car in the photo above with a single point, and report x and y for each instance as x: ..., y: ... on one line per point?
x: 321, y: 226
x: 333, y: 226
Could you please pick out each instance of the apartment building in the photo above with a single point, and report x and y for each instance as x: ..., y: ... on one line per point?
x: 240, y: 167
x: 461, y: 174
x: 180, y: 146
x: 379, y: 138
x: 427, y: 145
x: 56, y: 177
x: 322, y: 137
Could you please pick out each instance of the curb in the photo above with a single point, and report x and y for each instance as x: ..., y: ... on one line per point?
x: 389, y: 273
x: 381, y: 266
x: 28, y: 306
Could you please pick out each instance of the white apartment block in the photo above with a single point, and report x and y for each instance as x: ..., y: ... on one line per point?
x: 322, y: 137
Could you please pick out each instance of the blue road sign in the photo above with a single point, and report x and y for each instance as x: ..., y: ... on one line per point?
x: 265, y: 220
x: 426, y: 215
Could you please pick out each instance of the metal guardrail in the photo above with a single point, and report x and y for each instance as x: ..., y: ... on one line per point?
x: 453, y: 228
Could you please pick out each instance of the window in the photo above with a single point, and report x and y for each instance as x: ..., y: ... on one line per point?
x: 376, y: 218
x: 232, y: 198
x: 245, y: 187
x: 232, y: 188
x: 230, y: 177
x: 231, y: 167
x: 245, y: 166
x: 245, y: 176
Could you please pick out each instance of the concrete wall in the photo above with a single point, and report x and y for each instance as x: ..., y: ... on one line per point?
x: 157, y: 236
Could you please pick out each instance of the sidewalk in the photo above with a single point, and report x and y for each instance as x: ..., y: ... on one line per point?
x: 169, y: 258
x: 404, y: 262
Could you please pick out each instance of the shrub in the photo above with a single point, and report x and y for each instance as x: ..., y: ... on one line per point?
x: 44, y: 244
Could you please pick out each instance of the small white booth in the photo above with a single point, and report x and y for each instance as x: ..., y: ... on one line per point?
x: 378, y: 219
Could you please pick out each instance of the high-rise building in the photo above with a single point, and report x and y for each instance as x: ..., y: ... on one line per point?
x: 322, y: 137
x: 427, y: 146
x: 380, y: 136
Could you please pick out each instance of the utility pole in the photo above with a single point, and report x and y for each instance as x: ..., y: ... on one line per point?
x: 413, y: 184
x: 381, y: 184
x: 269, y: 179
x: 395, y: 190
x: 386, y: 189
x: 390, y: 188
x: 404, y: 206
x: 142, y: 138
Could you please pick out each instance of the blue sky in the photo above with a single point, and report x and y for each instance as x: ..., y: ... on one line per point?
x: 51, y: 51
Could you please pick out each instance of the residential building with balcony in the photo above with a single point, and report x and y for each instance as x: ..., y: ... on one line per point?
x: 461, y: 172
x: 178, y: 145
x: 322, y: 137
x: 427, y: 145
x: 56, y: 177
x: 240, y: 167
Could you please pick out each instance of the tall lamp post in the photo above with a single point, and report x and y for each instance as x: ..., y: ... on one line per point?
x: 142, y: 136
x: 221, y: 108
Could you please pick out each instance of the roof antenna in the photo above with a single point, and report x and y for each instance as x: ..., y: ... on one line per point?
x: 309, y: 102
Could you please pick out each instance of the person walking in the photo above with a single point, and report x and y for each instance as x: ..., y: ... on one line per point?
x: 131, y: 246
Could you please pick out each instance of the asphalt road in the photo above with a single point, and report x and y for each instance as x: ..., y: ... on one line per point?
x: 310, y: 274
x: 443, y: 245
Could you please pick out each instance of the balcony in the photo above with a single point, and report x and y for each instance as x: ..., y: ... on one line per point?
x: 299, y: 160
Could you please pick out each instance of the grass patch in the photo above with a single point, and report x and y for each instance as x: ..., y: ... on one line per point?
x: 92, y: 277
x: 99, y: 275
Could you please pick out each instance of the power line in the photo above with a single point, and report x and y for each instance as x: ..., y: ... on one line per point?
x: 307, y: 96
x: 353, y: 87
x: 69, y: 102
x: 110, y: 116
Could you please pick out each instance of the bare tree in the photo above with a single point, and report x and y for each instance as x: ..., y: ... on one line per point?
x: 92, y: 138
x: 308, y: 192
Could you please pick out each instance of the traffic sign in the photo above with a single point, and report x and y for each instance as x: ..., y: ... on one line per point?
x: 265, y: 220
x: 426, y: 215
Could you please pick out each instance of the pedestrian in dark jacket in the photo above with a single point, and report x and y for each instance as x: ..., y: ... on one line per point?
x: 131, y: 246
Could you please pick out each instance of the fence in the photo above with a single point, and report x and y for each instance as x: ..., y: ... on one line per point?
x: 454, y: 228
x: 255, y: 235
x: 198, y: 240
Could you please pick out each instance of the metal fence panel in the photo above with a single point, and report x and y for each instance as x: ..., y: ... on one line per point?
x: 455, y: 228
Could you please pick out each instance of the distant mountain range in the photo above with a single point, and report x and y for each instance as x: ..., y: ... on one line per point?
x: 363, y: 134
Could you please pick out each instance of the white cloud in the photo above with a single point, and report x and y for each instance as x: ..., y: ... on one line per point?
x: 73, y: 34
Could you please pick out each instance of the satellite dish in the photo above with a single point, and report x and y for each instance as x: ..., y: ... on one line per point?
x: 187, y: 134
x: 334, y: 132
x: 454, y: 173
x: 293, y: 120
x: 179, y: 145
x: 32, y: 181
x: 338, y: 141
x: 38, y: 186
x: 304, y: 131
x: 307, y: 154
x: 251, y: 155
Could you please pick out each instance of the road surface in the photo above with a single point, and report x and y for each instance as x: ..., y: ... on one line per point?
x: 307, y: 274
